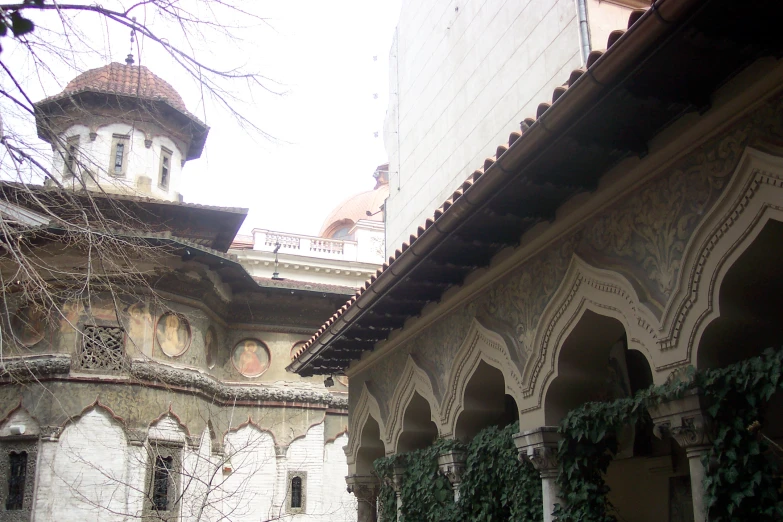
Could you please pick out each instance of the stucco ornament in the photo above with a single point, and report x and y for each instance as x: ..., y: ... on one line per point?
x: 522, y: 297
x: 649, y: 230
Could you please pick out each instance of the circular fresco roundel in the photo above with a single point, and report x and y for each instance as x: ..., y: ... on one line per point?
x: 173, y: 334
x: 250, y: 357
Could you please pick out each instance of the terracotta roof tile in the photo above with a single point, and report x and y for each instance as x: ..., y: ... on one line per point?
x: 126, y: 80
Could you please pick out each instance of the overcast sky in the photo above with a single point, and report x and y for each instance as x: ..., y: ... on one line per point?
x: 330, y: 59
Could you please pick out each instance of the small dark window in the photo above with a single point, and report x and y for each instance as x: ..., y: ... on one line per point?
x: 71, y: 155
x: 296, y: 492
x: 160, y: 484
x: 119, y: 155
x: 165, y: 167
x: 16, y: 480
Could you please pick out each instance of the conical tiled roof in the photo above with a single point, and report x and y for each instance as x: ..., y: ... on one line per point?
x: 126, y: 80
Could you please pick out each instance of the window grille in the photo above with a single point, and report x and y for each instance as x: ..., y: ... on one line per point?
x: 16, y: 480
x: 160, y: 485
x: 296, y: 492
x: 103, y: 348
x: 71, y: 155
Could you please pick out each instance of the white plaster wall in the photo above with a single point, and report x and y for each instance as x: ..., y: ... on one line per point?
x: 83, y: 476
x: 370, y: 244
x: 141, y: 161
x: 466, y: 74
x: 338, y: 504
x: 307, y: 454
x: 246, y: 494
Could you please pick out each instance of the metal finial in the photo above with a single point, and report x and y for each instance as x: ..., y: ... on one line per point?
x: 129, y: 59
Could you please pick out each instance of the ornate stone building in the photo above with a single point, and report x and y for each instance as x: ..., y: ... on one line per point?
x: 628, y: 230
x: 147, y: 380
x: 348, y: 250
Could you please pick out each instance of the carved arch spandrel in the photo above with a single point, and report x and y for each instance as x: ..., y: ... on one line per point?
x: 584, y: 287
x: 412, y: 380
x: 366, y: 407
x: 480, y: 344
x: 753, y: 197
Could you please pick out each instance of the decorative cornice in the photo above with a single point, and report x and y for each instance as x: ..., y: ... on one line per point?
x: 28, y: 367
x: 20, y: 369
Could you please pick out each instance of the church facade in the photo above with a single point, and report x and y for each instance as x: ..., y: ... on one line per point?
x: 626, y: 232
x: 143, y: 368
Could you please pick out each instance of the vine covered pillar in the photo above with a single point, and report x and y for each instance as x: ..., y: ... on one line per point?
x: 366, y: 489
x: 539, y: 446
x: 397, y: 474
x: 684, y: 420
x: 452, y: 466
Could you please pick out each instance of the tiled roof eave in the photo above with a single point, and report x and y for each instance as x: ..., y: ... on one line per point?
x: 572, y: 107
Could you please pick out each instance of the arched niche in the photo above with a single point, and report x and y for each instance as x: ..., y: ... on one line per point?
x: 594, y: 364
x: 418, y: 430
x: 370, y: 447
x: 485, y: 403
x: 750, y: 301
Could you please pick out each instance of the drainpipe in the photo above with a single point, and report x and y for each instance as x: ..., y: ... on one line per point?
x: 584, y: 30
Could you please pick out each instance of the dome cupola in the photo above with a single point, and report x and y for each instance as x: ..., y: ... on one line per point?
x: 366, y: 206
x: 124, y: 127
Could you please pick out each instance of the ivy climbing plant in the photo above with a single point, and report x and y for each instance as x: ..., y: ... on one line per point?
x: 743, y: 465
x: 495, y: 485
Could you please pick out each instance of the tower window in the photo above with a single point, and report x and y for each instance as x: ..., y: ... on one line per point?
x: 160, y: 483
x: 17, y: 477
x: 119, y: 155
x: 71, y: 155
x: 296, y: 497
x: 296, y: 492
x: 165, y: 168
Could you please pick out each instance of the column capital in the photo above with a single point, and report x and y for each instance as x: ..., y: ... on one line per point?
x: 539, y: 447
x: 685, y: 420
x: 364, y: 487
x: 452, y: 465
x: 396, y: 481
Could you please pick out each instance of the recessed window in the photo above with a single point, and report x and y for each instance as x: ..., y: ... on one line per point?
x: 296, y: 498
x: 71, y: 156
x: 17, y: 477
x: 164, y: 470
x: 296, y: 492
x: 165, y: 168
x: 119, y: 155
x: 161, y: 481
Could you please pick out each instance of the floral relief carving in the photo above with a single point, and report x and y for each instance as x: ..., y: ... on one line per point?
x: 521, y: 297
x: 645, y: 236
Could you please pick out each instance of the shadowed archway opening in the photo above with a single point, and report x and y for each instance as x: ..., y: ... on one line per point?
x: 485, y: 403
x: 418, y: 430
x: 751, y: 314
x: 751, y: 304
x: 595, y: 364
x: 370, y: 447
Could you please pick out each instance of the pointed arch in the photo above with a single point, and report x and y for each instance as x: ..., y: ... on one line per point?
x: 412, y: 380
x: 752, y: 199
x: 366, y: 408
x: 19, y: 416
x: 480, y: 344
x: 584, y: 287
x: 98, y: 406
x: 168, y: 427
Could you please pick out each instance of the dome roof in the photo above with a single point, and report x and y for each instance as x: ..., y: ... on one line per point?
x: 126, y: 80
x: 356, y: 207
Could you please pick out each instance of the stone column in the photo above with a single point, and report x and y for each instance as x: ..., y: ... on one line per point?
x: 685, y: 421
x: 397, y: 475
x: 366, y: 489
x: 452, y: 465
x: 539, y: 446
